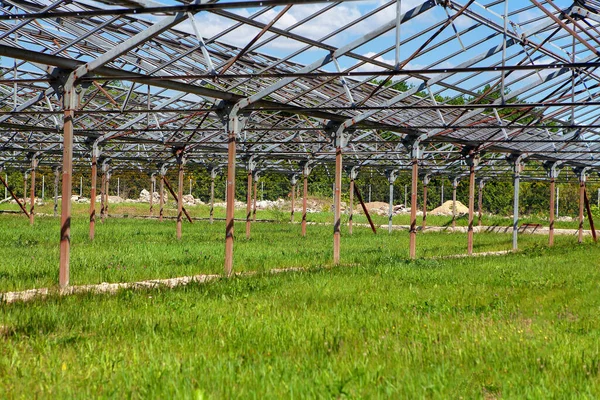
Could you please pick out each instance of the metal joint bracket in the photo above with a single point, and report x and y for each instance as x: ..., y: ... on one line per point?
x: 162, y: 170
x: 294, y: 179
x: 179, y: 155
x: 581, y: 173
x: 553, y: 168
x: 251, y: 164
x: 306, y: 167
x: 426, y: 179
x: 412, y: 143
x: 353, y: 172
x: 516, y: 160
x: 455, y: 181
x: 340, y: 137
x: 256, y: 175
x: 481, y: 183
x: 214, y: 171
x: 391, y: 175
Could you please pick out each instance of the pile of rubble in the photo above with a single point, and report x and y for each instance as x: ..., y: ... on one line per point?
x: 446, y: 209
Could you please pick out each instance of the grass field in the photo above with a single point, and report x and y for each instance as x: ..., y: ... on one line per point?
x: 524, y: 325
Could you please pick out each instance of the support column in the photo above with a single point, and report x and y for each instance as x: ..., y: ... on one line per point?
x: 234, y: 122
x: 34, y: 164
x: 480, y: 202
x: 213, y: 175
x: 352, y: 173
x: 180, y: 157
x: 56, y: 183
x: 426, y: 179
x: 293, y: 181
x: 152, y: 186
x: 553, y: 171
x: 454, y: 186
x: 102, y: 190
x: 517, y: 163
x: 69, y: 103
x: 250, y: 170
x: 255, y: 178
x: 95, y: 154
x: 413, y: 205
x: 391, y: 177
x: 339, y: 142
x: 582, y: 174
x: 161, y: 193
x: 305, y: 172
x: 25, y: 187
x: 106, y: 195
x: 472, y: 161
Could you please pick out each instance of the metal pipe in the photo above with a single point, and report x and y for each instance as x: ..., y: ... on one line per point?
x: 67, y: 184
x: 180, y: 161
x: 471, y: 207
x: 590, y: 216
x: 14, y: 196
x: 304, y: 199
x: 102, y: 189
x: 516, y: 179
x: 581, y: 206
x: 232, y: 130
x: 293, y: 203
x: 480, y: 203
x: 254, y: 199
x: 161, y: 200
x: 152, y: 182
x: 425, y: 184
x: 454, y: 185
x: 212, y: 199
x: 93, y: 195
x: 413, y: 208
x: 551, y: 214
x: 351, y: 206
x: 56, y: 183
x: 32, y: 192
x: 337, y: 205
x: 249, y: 204
x: 391, y: 205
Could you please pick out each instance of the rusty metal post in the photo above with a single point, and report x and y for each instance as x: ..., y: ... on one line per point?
x: 69, y: 103
x: 293, y: 181
x: 213, y: 175
x: 180, y: 157
x: 233, y: 129
x: 255, y: 178
x: 352, y: 173
x: 340, y: 140
x: 106, y: 194
x: 517, y: 162
x: 95, y: 154
x: 34, y: 164
x: 391, y: 177
x: 161, y: 190
x: 426, y: 178
x: 251, y: 166
x: 151, y: 199
x: 306, y: 168
x: 582, y: 174
x: 472, y: 161
x: 14, y: 196
x: 56, y: 183
x: 590, y: 216
x: 454, y: 186
x: 102, y: 190
x: 413, y: 207
x: 481, y: 185
x: 553, y: 171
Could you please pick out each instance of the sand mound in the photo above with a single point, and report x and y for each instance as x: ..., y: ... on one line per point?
x: 446, y: 209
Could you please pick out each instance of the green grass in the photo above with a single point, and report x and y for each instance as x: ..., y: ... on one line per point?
x: 516, y: 326
x: 522, y: 325
x: 127, y: 249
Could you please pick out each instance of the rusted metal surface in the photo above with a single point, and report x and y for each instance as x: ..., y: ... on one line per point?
x: 232, y: 129
x: 424, y: 223
x: 454, y: 184
x: 304, y: 199
x: 56, y: 184
x: 590, y: 216
x: 102, y: 198
x: 94, y: 177
x: 581, y: 206
x: 180, y: 201
x: 254, y: 200
x: 551, y: 214
x: 161, y: 200
x: 365, y: 210
x: 480, y: 203
x: 15, y: 198
x: 249, y: 205
x: 212, y: 200
x: 293, y: 194
x: 471, y: 209
x: 351, y: 207
x: 337, y: 205
x: 170, y: 189
x: 152, y: 183
x: 413, y: 209
x: 67, y: 185
x: 34, y: 164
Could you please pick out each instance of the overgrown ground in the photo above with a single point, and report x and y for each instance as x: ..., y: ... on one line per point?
x: 523, y: 325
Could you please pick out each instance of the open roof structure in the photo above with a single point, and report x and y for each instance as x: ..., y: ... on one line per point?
x: 438, y: 87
